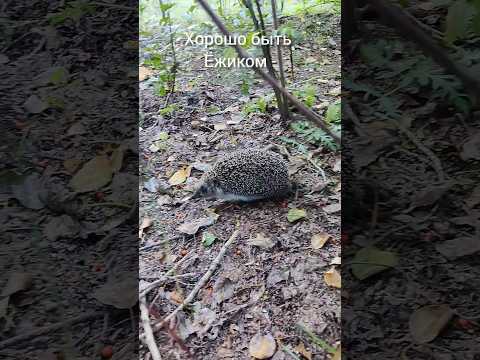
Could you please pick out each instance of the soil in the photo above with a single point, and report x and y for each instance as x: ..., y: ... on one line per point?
x: 276, y: 286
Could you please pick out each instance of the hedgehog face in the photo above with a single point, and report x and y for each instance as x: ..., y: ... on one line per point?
x: 207, y: 190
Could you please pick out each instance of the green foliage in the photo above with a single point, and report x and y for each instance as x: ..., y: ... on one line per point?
x: 314, y: 135
x: 74, y: 10
x: 333, y: 114
x: 307, y: 95
x: 168, y: 110
x: 416, y: 73
x: 258, y: 105
x: 462, y: 20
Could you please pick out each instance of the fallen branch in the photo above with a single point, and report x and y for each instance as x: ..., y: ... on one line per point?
x: 149, y: 339
x: 201, y: 283
x: 308, y: 113
x: 46, y: 329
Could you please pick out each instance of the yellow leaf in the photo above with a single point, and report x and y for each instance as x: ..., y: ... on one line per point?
x: 332, y: 278
x: 319, y: 240
x: 180, y: 176
x: 94, y: 175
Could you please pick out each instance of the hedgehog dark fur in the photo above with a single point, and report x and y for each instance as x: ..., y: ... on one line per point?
x: 246, y: 175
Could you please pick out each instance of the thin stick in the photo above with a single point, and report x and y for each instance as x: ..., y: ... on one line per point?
x: 201, y: 283
x: 46, y: 329
x: 308, y: 113
x: 147, y: 328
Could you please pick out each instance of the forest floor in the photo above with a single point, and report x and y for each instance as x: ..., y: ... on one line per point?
x: 273, y: 278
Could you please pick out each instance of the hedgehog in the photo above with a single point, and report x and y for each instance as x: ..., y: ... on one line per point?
x: 246, y: 176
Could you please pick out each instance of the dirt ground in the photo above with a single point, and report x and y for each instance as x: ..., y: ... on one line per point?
x: 271, y: 279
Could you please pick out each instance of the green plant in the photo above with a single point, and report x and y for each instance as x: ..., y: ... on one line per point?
x: 74, y: 10
x: 307, y: 94
x: 314, y: 135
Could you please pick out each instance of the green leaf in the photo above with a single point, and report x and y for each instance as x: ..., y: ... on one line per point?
x: 458, y: 19
x: 296, y: 214
x: 333, y: 114
x: 208, y: 239
x: 370, y: 261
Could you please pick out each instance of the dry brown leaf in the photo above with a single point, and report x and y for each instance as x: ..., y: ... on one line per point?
x: 71, y: 165
x: 427, y: 322
x: 18, y: 281
x: 146, y: 222
x: 300, y: 348
x: 262, y: 346
x: 94, y: 175
x: 176, y: 297
x: 144, y: 73
x: 120, y: 292
x: 319, y: 240
x: 338, y: 354
x: 332, y: 278
x: 262, y: 241
x: 180, y: 176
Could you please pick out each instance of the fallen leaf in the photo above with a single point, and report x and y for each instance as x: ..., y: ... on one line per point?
x: 203, y: 318
x: 429, y: 196
x: 117, y: 159
x: 338, y: 354
x: 370, y: 261
x: 144, y: 73
x: 175, y: 297
x: 208, y: 239
x: 333, y: 208
x: 18, y: 281
x: 191, y: 227
x: 262, y: 346
x: 300, y: 348
x: 71, y: 165
x: 261, y: 241
x: 120, y: 292
x: 94, y: 175
x: 30, y: 192
x: 277, y: 275
x: 76, y: 129
x: 318, y: 240
x: 146, y: 223
x: 427, y: 322
x: 223, y: 289
x: 62, y: 226
x: 332, y: 278
x: 152, y: 185
x: 296, y: 214
x: 35, y: 105
x: 458, y: 247
x: 180, y: 176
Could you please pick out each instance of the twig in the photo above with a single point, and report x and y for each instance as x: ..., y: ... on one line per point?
x: 149, y: 339
x: 436, y: 163
x: 308, y: 113
x: 164, y: 277
x: 45, y: 329
x: 201, y: 283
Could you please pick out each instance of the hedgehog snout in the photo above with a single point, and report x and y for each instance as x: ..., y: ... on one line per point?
x: 205, y: 190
